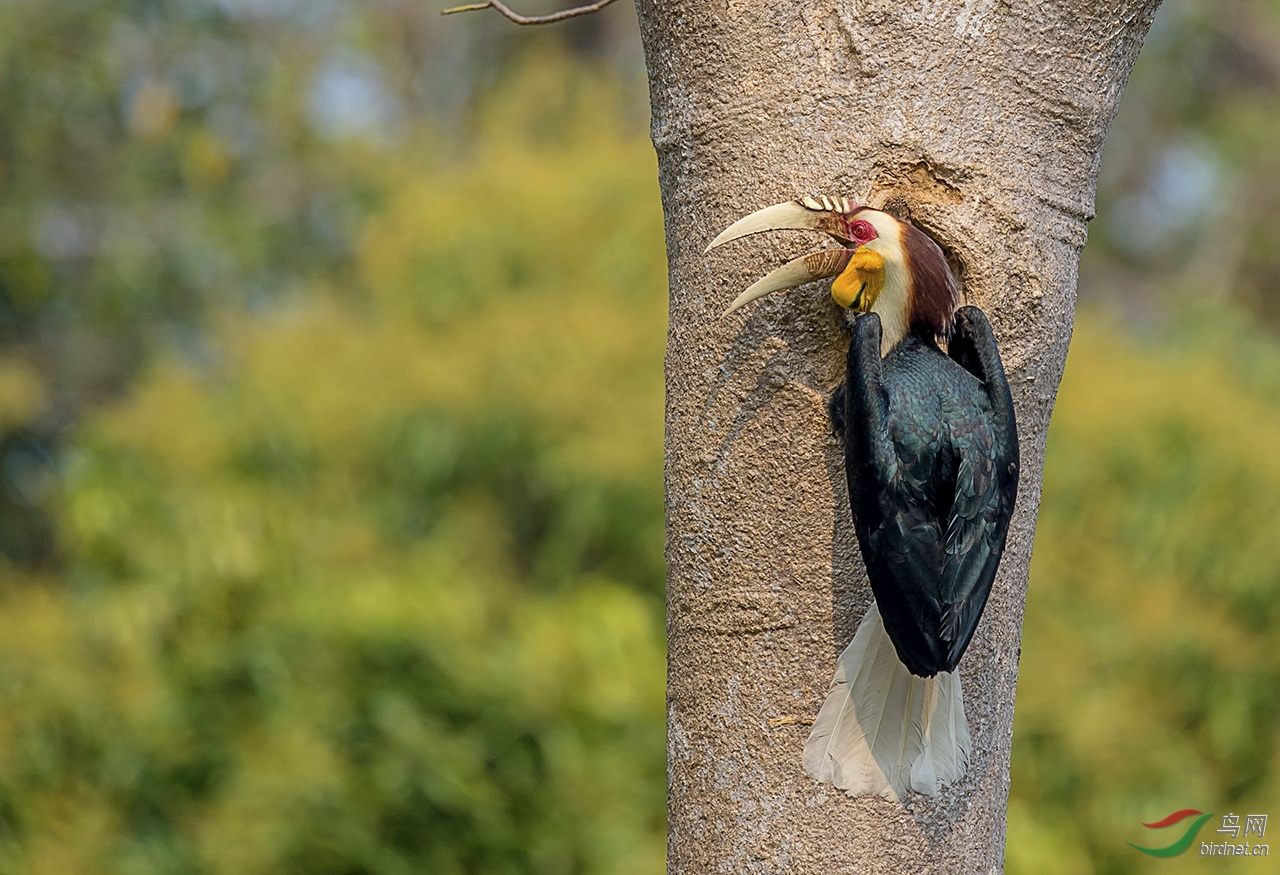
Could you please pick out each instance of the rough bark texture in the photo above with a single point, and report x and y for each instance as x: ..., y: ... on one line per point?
x: 987, y: 117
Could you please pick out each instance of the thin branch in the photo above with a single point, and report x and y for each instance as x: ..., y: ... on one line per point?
x: 530, y: 19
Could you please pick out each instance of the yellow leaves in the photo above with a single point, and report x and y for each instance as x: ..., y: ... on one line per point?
x: 517, y: 278
x: 1148, y: 389
x: 205, y: 160
x: 372, y: 528
x: 168, y: 419
x: 153, y: 110
x: 599, y: 636
x: 74, y: 832
x: 22, y: 392
x: 1043, y: 846
x: 1148, y: 662
x: 245, y: 831
x: 387, y: 555
x: 525, y: 224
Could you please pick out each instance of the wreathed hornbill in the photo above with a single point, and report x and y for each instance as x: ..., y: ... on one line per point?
x: 931, y: 457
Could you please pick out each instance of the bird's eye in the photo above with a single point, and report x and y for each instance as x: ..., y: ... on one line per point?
x: 861, y: 230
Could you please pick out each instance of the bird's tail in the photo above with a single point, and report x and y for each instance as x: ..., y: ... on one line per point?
x: 883, y: 730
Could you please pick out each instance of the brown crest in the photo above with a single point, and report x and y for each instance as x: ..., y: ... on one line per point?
x: 935, y: 295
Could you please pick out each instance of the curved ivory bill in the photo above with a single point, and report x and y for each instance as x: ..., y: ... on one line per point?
x: 826, y: 214
x: 806, y: 268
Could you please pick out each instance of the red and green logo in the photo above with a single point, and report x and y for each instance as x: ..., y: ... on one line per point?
x: 1181, y: 844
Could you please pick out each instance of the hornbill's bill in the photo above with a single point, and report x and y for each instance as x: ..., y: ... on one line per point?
x: 931, y: 457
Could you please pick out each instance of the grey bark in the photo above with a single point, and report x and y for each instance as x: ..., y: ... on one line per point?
x: 988, y: 118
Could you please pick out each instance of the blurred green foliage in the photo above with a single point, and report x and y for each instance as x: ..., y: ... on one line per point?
x: 376, y: 587
x: 156, y: 157
x: 1190, y: 182
x: 1150, y: 679
x: 332, y: 514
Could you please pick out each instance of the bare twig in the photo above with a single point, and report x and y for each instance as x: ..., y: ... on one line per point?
x: 530, y: 19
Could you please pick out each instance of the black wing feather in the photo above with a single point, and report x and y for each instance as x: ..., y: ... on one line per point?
x: 932, y: 461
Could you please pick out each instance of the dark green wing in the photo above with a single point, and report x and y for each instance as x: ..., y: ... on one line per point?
x: 986, y: 481
x: 931, y: 481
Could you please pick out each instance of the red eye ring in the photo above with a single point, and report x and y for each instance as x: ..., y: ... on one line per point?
x: 861, y: 230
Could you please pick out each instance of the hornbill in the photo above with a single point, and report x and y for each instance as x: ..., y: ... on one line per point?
x: 931, y: 458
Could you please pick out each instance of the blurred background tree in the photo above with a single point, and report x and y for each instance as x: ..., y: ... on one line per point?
x: 330, y: 392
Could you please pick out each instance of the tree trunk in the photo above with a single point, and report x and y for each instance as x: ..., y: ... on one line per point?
x: 987, y: 117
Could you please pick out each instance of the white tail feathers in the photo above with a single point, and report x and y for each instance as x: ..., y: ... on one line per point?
x: 883, y: 730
